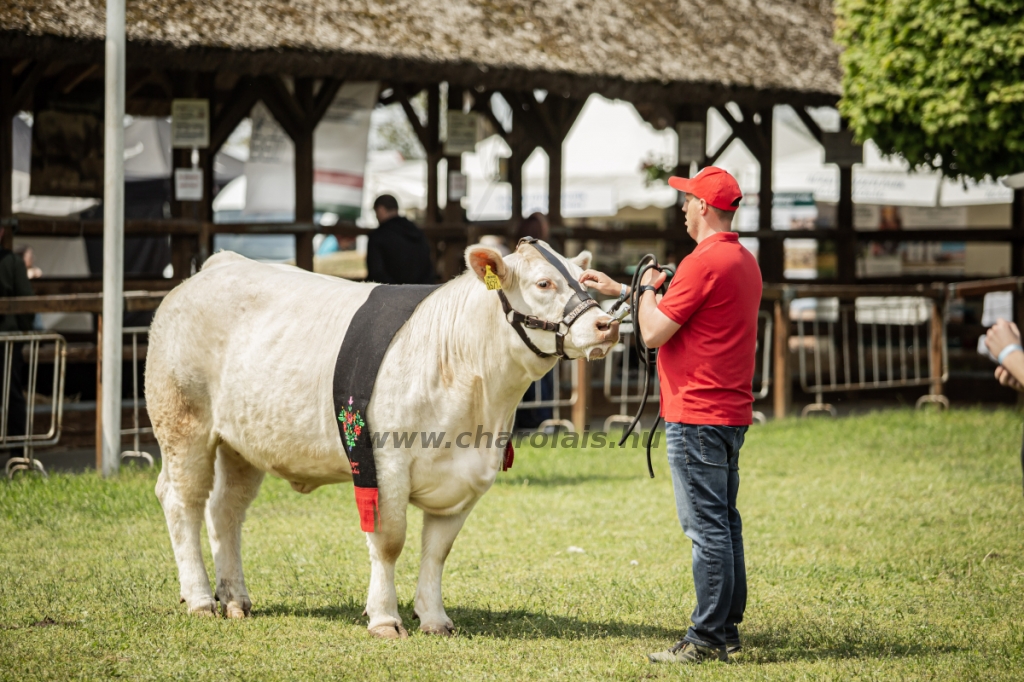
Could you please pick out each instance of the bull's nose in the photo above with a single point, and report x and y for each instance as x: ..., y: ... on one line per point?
x: 607, y: 329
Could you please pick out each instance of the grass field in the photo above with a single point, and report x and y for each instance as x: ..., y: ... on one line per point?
x: 886, y: 546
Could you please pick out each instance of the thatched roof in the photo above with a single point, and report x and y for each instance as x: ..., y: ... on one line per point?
x: 609, y: 46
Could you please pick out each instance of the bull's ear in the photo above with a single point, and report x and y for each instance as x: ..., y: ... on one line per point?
x: 583, y: 260
x: 479, y: 257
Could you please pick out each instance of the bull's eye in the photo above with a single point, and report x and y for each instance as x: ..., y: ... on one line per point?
x: 545, y: 284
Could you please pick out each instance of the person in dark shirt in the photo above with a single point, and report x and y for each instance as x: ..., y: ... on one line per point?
x: 14, y: 282
x: 397, y: 252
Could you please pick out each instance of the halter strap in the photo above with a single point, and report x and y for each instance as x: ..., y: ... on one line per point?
x: 579, y: 303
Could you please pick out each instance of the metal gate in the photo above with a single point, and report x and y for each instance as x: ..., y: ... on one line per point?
x: 137, y: 429
x: 23, y: 351
x: 565, y: 371
x: 873, y: 343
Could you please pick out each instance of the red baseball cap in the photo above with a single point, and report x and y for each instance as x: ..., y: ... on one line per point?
x: 712, y: 184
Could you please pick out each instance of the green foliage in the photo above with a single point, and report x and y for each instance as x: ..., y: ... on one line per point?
x: 940, y: 82
x: 881, y: 547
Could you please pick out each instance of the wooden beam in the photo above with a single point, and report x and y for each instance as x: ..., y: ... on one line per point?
x: 324, y: 98
x: 134, y: 301
x: 812, y: 126
x: 26, y: 86
x: 73, y: 76
x: 414, y: 120
x: 281, y: 104
x: 237, y: 105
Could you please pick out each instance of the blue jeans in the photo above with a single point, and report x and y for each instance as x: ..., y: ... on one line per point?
x: 705, y: 475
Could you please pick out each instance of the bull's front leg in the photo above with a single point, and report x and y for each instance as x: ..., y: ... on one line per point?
x: 385, y: 547
x: 439, y: 534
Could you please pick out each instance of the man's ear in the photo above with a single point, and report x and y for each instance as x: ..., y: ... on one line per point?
x: 479, y: 257
x: 583, y: 259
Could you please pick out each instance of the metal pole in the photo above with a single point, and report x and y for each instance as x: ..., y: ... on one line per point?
x: 113, y: 235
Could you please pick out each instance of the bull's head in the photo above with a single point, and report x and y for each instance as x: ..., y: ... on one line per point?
x: 537, y: 290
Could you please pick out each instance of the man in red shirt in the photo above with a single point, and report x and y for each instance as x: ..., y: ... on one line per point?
x: 706, y: 328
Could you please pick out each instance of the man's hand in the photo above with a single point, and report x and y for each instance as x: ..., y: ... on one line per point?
x: 1000, y: 335
x: 600, y: 282
x: 1006, y: 379
x: 653, y: 277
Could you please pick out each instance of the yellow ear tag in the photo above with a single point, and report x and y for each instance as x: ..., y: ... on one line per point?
x: 491, y: 280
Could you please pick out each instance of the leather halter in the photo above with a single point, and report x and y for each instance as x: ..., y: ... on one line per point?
x: 579, y: 303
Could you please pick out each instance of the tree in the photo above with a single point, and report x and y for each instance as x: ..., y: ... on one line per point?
x: 939, y: 82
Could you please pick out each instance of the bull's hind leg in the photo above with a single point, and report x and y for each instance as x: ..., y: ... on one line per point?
x: 184, y: 484
x: 236, y: 484
x: 439, y: 534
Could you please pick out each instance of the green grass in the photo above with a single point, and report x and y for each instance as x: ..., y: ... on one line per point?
x: 886, y: 546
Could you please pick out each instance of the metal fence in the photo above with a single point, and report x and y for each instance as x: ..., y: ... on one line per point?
x: 872, y: 343
x: 623, y: 379
x: 565, y: 393
x: 21, y: 352
x: 137, y: 429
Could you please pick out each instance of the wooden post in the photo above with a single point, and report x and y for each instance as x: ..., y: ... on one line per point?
x: 581, y: 410
x: 99, y: 393
x: 782, y: 390
x: 771, y: 253
x: 935, y: 350
x: 1017, y: 230
x: 846, y: 242
x: 6, y: 150
x: 554, y: 152
x: 515, y: 178
x: 453, y: 207
x: 433, y: 151
x: 304, y: 174
x: 207, y: 157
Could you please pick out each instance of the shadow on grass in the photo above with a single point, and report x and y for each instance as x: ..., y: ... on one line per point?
x: 557, y: 480
x: 471, y: 622
x: 783, y: 647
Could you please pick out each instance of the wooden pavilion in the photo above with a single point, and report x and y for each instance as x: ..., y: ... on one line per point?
x: 672, y: 60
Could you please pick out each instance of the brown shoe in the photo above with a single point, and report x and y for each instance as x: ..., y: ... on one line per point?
x: 688, y: 652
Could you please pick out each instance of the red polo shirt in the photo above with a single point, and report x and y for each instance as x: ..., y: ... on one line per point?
x: 706, y: 369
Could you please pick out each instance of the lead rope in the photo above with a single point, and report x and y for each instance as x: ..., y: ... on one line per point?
x: 648, y: 356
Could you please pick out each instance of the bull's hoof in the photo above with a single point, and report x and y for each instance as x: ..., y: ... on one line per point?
x: 440, y: 629
x: 237, y: 609
x: 389, y: 632
x: 204, y: 609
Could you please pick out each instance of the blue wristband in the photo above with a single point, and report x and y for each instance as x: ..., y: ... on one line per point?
x: 1012, y: 348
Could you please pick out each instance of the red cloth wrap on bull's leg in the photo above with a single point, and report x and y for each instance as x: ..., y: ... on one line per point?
x: 366, y: 503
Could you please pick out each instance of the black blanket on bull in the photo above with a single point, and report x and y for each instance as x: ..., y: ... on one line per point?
x: 366, y: 341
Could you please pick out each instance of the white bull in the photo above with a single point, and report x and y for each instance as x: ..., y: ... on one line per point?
x: 239, y: 384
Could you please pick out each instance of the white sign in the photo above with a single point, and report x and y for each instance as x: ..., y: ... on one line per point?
x: 456, y: 185
x: 692, y: 144
x: 190, y: 123
x: 339, y: 158
x: 461, y: 133
x: 188, y: 184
